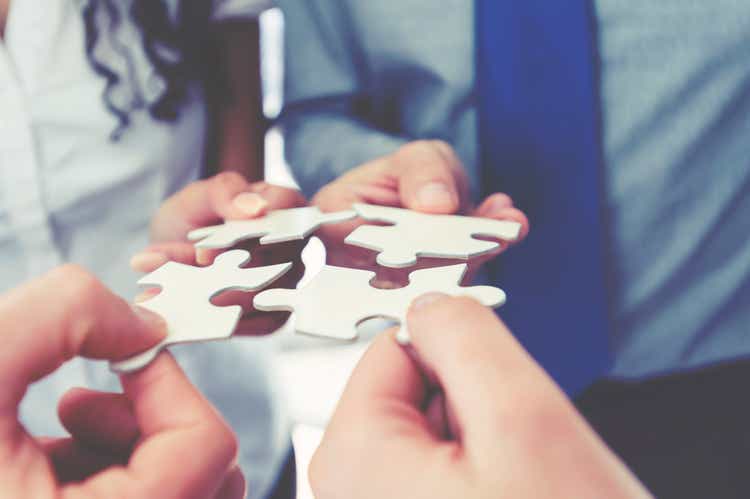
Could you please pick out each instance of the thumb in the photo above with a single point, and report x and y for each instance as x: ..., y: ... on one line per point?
x: 431, y: 178
x: 59, y: 316
x: 378, y: 434
x: 489, y: 380
x: 224, y: 196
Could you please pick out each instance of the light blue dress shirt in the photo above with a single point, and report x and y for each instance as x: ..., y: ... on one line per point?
x: 366, y: 77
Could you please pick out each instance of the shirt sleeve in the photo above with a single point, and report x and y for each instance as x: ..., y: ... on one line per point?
x: 324, y: 133
x: 233, y: 9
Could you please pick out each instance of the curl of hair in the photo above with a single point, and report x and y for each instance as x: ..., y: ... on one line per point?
x: 176, y: 48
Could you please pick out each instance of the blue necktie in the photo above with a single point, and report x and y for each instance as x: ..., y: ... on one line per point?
x: 539, y: 122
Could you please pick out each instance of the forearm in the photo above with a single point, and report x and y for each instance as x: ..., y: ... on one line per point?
x: 237, y: 126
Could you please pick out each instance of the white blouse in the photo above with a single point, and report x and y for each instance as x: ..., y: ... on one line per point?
x: 68, y: 193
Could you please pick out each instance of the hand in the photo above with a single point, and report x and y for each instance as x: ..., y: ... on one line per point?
x: 159, y: 438
x: 490, y: 424
x: 226, y: 196
x: 424, y: 176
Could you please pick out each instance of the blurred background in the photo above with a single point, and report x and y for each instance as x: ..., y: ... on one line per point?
x: 312, y: 372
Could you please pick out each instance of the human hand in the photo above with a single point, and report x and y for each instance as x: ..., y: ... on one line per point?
x: 474, y: 416
x: 159, y: 438
x: 226, y: 196
x: 424, y: 176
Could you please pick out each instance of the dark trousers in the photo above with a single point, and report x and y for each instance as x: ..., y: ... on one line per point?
x: 286, y: 484
x: 685, y: 436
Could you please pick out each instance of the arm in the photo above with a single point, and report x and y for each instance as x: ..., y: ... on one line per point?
x: 325, y: 133
x: 237, y: 125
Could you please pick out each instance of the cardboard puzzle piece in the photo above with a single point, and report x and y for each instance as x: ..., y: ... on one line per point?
x: 185, y: 300
x: 415, y: 235
x: 276, y: 227
x: 338, y: 299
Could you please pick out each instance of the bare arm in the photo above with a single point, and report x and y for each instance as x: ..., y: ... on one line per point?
x: 237, y: 126
x: 4, y: 8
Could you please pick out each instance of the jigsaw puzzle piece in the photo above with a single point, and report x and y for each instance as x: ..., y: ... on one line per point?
x: 331, y: 305
x: 415, y: 235
x: 337, y: 300
x: 276, y: 227
x: 227, y: 234
x: 185, y: 300
x: 447, y: 280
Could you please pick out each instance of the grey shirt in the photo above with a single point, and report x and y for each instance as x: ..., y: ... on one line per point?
x: 365, y: 77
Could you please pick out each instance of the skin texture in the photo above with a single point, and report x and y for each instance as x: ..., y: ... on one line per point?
x: 465, y: 413
x: 226, y: 196
x: 237, y: 126
x: 4, y: 8
x: 121, y: 444
x: 425, y: 176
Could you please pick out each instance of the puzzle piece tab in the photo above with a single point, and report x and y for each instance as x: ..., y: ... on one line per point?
x: 338, y: 299
x: 415, y: 235
x: 276, y: 227
x: 184, y: 300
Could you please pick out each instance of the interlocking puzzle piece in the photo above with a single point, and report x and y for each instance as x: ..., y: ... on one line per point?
x: 338, y: 299
x: 417, y: 234
x: 185, y: 300
x: 276, y: 227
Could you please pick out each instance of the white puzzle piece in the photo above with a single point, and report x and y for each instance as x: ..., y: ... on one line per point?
x: 338, y: 299
x: 184, y: 300
x: 276, y: 227
x: 415, y: 235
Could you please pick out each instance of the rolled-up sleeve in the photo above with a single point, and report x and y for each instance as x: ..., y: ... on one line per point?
x: 239, y: 9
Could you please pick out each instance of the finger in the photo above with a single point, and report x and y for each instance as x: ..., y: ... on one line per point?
x: 332, y: 198
x: 277, y: 197
x: 432, y: 179
x: 500, y: 207
x: 202, y: 203
x: 385, y: 394
x: 100, y: 420
x: 72, y: 461
x: 158, y: 254
x: 229, y: 197
x: 234, y: 486
x: 175, y: 420
x: 379, y: 434
x: 84, y: 318
x: 146, y: 295
x: 489, y: 380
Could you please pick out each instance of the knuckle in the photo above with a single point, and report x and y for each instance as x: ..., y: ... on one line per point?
x: 226, y: 441
x: 228, y: 178
x: 441, y: 146
x: 79, y: 291
x: 228, y: 181
x: 76, y: 284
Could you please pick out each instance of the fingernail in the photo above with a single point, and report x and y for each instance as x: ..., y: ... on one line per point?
x: 156, y: 327
x: 141, y: 297
x: 148, y: 261
x: 435, y: 194
x: 426, y: 299
x: 498, y: 204
x: 250, y: 203
x: 203, y: 256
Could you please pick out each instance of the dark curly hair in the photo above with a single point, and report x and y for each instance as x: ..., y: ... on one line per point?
x: 175, y: 43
